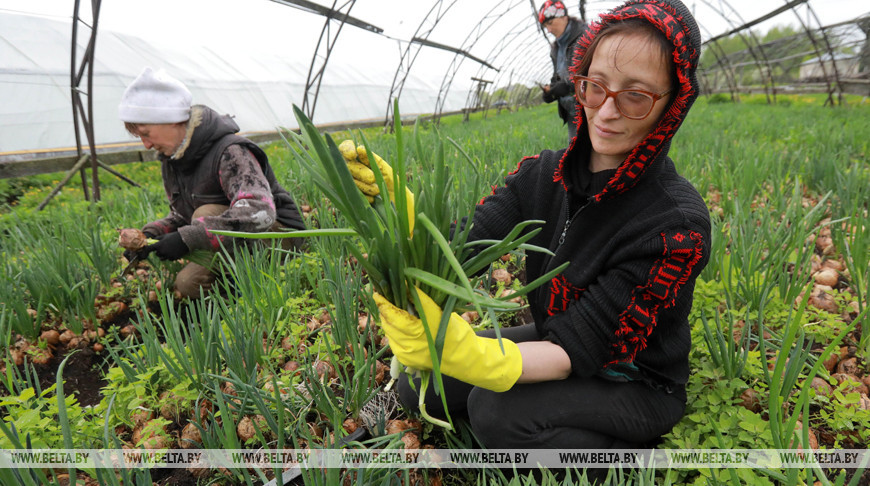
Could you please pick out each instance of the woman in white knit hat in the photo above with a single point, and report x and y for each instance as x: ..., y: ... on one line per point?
x: 214, y: 179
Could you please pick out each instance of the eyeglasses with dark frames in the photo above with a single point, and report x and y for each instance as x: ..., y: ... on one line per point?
x: 635, y: 104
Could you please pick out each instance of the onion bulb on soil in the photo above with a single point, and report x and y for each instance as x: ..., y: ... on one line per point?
x: 395, y: 426
x: 502, y: 275
x: 50, y: 336
x: 750, y: 400
x: 826, y: 276
x: 848, y: 366
x: 822, y: 387
x: 350, y: 425
x: 190, y: 436
x: 822, y: 300
x: 66, y: 336
x: 152, y: 435
x: 325, y: 370
x: 812, y: 441
x: 132, y: 239
x: 411, y: 440
x: 246, y: 429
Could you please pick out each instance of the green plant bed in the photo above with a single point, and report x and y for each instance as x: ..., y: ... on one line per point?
x: 292, y: 355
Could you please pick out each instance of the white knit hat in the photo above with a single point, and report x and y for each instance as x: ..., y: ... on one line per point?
x: 155, y: 97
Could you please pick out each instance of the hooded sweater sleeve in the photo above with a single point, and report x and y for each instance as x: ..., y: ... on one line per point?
x: 508, y: 205
x: 647, y: 290
x: 252, y: 207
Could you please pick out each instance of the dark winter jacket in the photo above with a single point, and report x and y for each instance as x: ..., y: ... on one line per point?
x: 560, y: 84
x: 636, y: 245
x: 216, y: 166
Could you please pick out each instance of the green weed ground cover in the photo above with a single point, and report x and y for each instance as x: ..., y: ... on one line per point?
x: 294, y: 359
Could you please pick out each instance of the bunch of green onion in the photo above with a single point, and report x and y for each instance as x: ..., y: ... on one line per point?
x: 396, y: 260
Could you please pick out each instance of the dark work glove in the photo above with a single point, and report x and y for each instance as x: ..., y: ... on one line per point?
x: 131, y: 254
x: 169, y: 247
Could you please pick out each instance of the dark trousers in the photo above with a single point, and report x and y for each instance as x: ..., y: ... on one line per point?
x: 575, y: 413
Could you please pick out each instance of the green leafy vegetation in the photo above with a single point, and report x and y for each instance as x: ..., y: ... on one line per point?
x: 291, y: 356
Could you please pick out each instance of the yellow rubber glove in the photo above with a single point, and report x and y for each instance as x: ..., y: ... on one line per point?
x: 360, y: 168
x: 476, y: 360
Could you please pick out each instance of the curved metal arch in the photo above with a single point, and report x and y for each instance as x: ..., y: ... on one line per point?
x: 406, y: 61
x: 722, y: 59
x: 315, y: 70
x: 516, y: 75
x: 514, y: 34
x: 832, y: 87
x: 475, y: 34
x: 727, y: 70
x: 769, y: 86
x: 527, y: 42
x: 528, y: 73
x: 523, y: 72
x: 527, y: 78
x: 863, y: 24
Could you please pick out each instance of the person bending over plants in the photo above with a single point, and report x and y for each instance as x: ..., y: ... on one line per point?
x: 605, y: 363
x: 214, y: 179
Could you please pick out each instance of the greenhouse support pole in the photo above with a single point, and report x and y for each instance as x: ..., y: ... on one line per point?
x: 78, y: 106
x: 836, y: 85
x: 77, y: 72
x: 74, y: 96
x: 89, y: 129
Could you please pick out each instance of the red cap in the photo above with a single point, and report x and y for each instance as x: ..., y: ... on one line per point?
x: 551, y: 10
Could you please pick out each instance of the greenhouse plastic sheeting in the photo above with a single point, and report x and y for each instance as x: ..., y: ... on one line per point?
x: 251, y: 59
x: 258, y: 89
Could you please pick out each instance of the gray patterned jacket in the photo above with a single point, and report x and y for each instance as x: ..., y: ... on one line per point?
x: 216, y: 166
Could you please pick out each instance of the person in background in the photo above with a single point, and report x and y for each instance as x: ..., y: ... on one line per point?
x: 606, y: 360
x: 554, y: 17
x: 214, y: 179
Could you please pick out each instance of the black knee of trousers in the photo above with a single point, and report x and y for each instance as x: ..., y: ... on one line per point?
x: 407, y: 395
x: 491, y: 425
x: 499, y: 423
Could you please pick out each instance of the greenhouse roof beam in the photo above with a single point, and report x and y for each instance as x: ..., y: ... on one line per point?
x: 436, y: 45
x: 333, y: 14
x: 752, y: 23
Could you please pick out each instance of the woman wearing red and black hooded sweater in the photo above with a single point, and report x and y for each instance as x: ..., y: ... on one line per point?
x: 606, y: 361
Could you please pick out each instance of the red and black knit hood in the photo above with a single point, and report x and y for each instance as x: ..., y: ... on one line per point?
x: 675, y: 21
